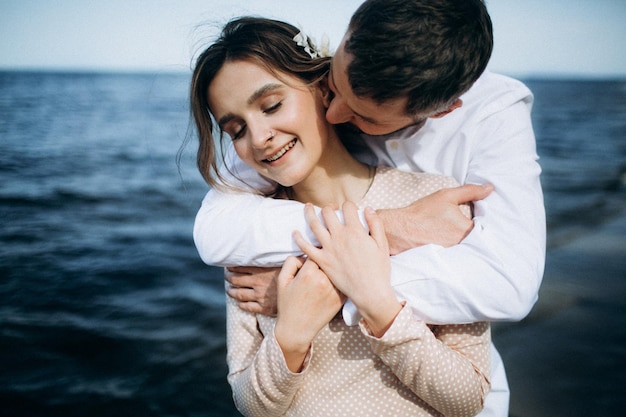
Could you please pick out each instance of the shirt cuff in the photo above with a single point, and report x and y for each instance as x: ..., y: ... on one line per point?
x: 350, y: 314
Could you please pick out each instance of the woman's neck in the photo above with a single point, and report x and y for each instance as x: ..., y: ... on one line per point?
x: 338, y: 178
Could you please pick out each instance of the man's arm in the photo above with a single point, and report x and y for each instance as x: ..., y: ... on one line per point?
x: 242, y: 228
x: 494, y: 274
x: 496, y: 271
x: 436, y: 218
x: 254, y: 288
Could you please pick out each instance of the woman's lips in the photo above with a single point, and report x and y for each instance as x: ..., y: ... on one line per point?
x: 281, y: 152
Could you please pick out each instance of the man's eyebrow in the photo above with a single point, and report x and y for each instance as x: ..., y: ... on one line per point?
x: 260, y: 92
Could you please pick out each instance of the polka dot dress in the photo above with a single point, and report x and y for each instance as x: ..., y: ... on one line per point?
x: 413, y: 370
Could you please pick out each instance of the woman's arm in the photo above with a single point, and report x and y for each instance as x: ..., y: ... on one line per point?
x: 307, y: 301
x: 448, y: 367
x: 267, y: 362
x: 261, y: 382
x: 450, y: 371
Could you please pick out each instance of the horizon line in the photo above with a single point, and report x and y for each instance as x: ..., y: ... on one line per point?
x: 178, y: 70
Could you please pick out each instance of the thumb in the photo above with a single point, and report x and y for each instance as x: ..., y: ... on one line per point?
x: 471, y: 192
x: 377, y: 229
x: 289, y: 270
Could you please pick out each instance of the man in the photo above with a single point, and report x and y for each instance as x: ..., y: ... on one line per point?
x: 409, y: 74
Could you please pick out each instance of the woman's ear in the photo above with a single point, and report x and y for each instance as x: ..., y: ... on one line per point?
x: 325, y: 92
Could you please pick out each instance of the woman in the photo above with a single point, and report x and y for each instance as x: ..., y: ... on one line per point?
x: 264, y: 85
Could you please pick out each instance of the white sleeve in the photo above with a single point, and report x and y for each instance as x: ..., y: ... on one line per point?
x: 241, y: 228
x: 495, y: 272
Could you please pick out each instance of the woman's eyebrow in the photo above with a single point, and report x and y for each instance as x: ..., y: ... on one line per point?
x: 260, y: 92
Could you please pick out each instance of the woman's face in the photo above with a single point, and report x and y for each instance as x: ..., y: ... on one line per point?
x: 279, y: 129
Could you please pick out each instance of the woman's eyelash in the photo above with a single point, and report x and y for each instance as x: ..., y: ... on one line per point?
x: 238, y: 134
x: 273, y: 108
x: 270, y: 110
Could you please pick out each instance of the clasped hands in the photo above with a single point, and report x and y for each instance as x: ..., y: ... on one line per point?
x: 432, y: 219
x: 350, y: 262
x: 347, y: 256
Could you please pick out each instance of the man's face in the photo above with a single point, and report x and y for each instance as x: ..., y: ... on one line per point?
x: 364, y: 113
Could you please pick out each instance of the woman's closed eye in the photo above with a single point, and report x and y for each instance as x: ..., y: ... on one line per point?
x: 238, y: 131
x: 273, y: 108
x: 236, y: 135
x: 235, y: 130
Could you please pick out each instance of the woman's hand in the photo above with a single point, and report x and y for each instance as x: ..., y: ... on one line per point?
x: 356, y: 261
x: 307, y: 301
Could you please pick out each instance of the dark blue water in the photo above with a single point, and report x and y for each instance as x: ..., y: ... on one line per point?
x: 105, y: 307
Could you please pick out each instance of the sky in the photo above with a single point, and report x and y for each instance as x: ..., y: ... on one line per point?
x: 581, y: 38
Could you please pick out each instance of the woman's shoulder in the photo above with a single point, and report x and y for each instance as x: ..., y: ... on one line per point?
x: 391, y: 175
x: 394, y: 188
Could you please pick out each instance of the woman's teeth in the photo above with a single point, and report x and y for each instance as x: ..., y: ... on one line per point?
x: 280, y: 153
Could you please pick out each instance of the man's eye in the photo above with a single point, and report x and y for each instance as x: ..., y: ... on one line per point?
x: 369, y: 122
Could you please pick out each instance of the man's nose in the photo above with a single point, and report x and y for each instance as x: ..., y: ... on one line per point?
x: 338, y: 112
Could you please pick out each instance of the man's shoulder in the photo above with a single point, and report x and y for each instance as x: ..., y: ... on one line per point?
x: 492, y: 87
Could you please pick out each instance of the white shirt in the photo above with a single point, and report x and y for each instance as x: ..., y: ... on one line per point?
x: 493, y: 274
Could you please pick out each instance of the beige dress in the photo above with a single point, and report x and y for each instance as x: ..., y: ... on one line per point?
x: 415, y: 369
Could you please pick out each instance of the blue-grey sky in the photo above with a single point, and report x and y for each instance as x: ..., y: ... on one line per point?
x: 532, y: 37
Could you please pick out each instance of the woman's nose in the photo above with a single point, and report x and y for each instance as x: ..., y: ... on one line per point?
x: 262, y: 136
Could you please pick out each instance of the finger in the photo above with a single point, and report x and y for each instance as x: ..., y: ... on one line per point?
x: 240, y: 269
x: 351, y: 214
x: 312, y: 274
x: 468, y: 193
x: 240, y: 280
x: 333, y: 224
x: 247, y: 270
x: 308, y: 249
x: 289, y: 270
x: 377, y: 228
x: 241, y: 294
x: 316, y: 226
x: 251, y: 307
x: 309, y: 266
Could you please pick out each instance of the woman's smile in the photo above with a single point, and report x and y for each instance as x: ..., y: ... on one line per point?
x: 276, y: 122
x: 281, y: 152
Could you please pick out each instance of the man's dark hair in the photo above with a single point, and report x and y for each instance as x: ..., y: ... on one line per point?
x: 430, y: 51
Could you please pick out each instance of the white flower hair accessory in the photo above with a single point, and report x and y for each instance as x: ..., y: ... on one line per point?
x: 302, y: 40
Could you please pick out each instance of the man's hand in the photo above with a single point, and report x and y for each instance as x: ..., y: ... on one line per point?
x: 254, y: 289
x: 436, y: 218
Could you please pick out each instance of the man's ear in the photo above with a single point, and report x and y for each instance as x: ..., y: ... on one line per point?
x: 457, y: 103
